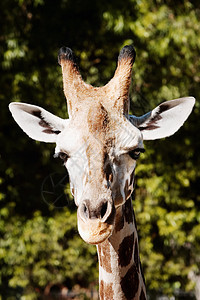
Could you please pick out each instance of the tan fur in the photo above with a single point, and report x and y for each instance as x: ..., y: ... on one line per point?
x: 104, y: 256
x: 106, y: 291
x: 98, y: 117
x: 114, y: 95
x: 99, y: 145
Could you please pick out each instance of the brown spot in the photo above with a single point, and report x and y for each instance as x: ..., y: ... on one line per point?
x: 132, y: 177
x: 104, y: 256
x: 142, y: 295
x: 101, y: 289
x: 98, y: 120
x: 149, y: 126
x: 165, y: 106
x: 108, y: 173
x: 126, y: 184
x: 50, y: 131
x: 119, y: 221
x: 126, y: 187
x: 128, y: 211
x: 136, y: 255
x: 130, y: 283
x: 126, y: 250
x: 106, y: 291
x: 152, y: 123
x: 37, y: 113
x: 43, y: 123
x: 156, y: 118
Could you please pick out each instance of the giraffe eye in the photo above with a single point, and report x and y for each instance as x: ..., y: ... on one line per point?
x: 135, y: 154
x: 62, y: 155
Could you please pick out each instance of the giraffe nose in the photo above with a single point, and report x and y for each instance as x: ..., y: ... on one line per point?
x: 103, y: 211
x: 96, y: 220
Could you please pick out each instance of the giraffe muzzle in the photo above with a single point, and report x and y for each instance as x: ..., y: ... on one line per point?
x: 95, y: 223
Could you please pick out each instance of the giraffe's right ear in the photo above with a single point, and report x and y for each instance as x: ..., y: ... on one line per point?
x: 36, y: 122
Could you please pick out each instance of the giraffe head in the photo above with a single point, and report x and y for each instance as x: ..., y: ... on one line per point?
x: 100, y: 142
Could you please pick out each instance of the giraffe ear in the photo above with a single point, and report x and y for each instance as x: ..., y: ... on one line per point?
x: 165, y: 119
x: 36, y: 122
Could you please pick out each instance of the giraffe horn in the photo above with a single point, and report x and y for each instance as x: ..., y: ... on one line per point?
x: 73, y: 84
x: 120, y: 83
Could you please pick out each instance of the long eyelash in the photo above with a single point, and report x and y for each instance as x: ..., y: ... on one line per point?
x: 62, y: 155
x: 142, y: 150
x: 135, y: 154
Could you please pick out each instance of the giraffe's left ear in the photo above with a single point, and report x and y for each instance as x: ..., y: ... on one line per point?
x: 165, y: 119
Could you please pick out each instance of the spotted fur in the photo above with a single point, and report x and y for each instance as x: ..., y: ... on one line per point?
x: 121, y: 249
x: 106, y: 291
x: 98, y: 138
x: 142, y: 295
x: 119, y: 221
x: 130, y: 283
x: 125, y: 251
x: 128, y: 211
x: 104, y: 256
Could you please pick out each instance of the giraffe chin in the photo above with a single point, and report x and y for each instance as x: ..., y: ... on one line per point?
x: 94, y: 231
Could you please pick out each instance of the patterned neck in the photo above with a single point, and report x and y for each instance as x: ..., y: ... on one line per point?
x: 120, y: 274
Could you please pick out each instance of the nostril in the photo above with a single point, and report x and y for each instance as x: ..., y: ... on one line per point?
x: 101, y: 211
x: 85, y: 211
x: 104, y: 209
x: 109, y: 174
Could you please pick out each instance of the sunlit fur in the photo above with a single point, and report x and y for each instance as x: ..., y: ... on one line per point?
x: 97, y: 142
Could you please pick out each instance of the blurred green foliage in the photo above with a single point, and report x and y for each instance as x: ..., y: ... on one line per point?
x: 39, y: 242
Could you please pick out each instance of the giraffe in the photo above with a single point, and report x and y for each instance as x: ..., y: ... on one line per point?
x: 102, y: 172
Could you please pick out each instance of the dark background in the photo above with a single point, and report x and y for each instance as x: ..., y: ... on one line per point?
x: 39, y: 239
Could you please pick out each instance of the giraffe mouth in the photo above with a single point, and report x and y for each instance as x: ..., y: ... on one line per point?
x: 94, y: 231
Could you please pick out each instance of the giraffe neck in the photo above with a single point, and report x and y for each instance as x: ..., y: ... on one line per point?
x: 120, y: 274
